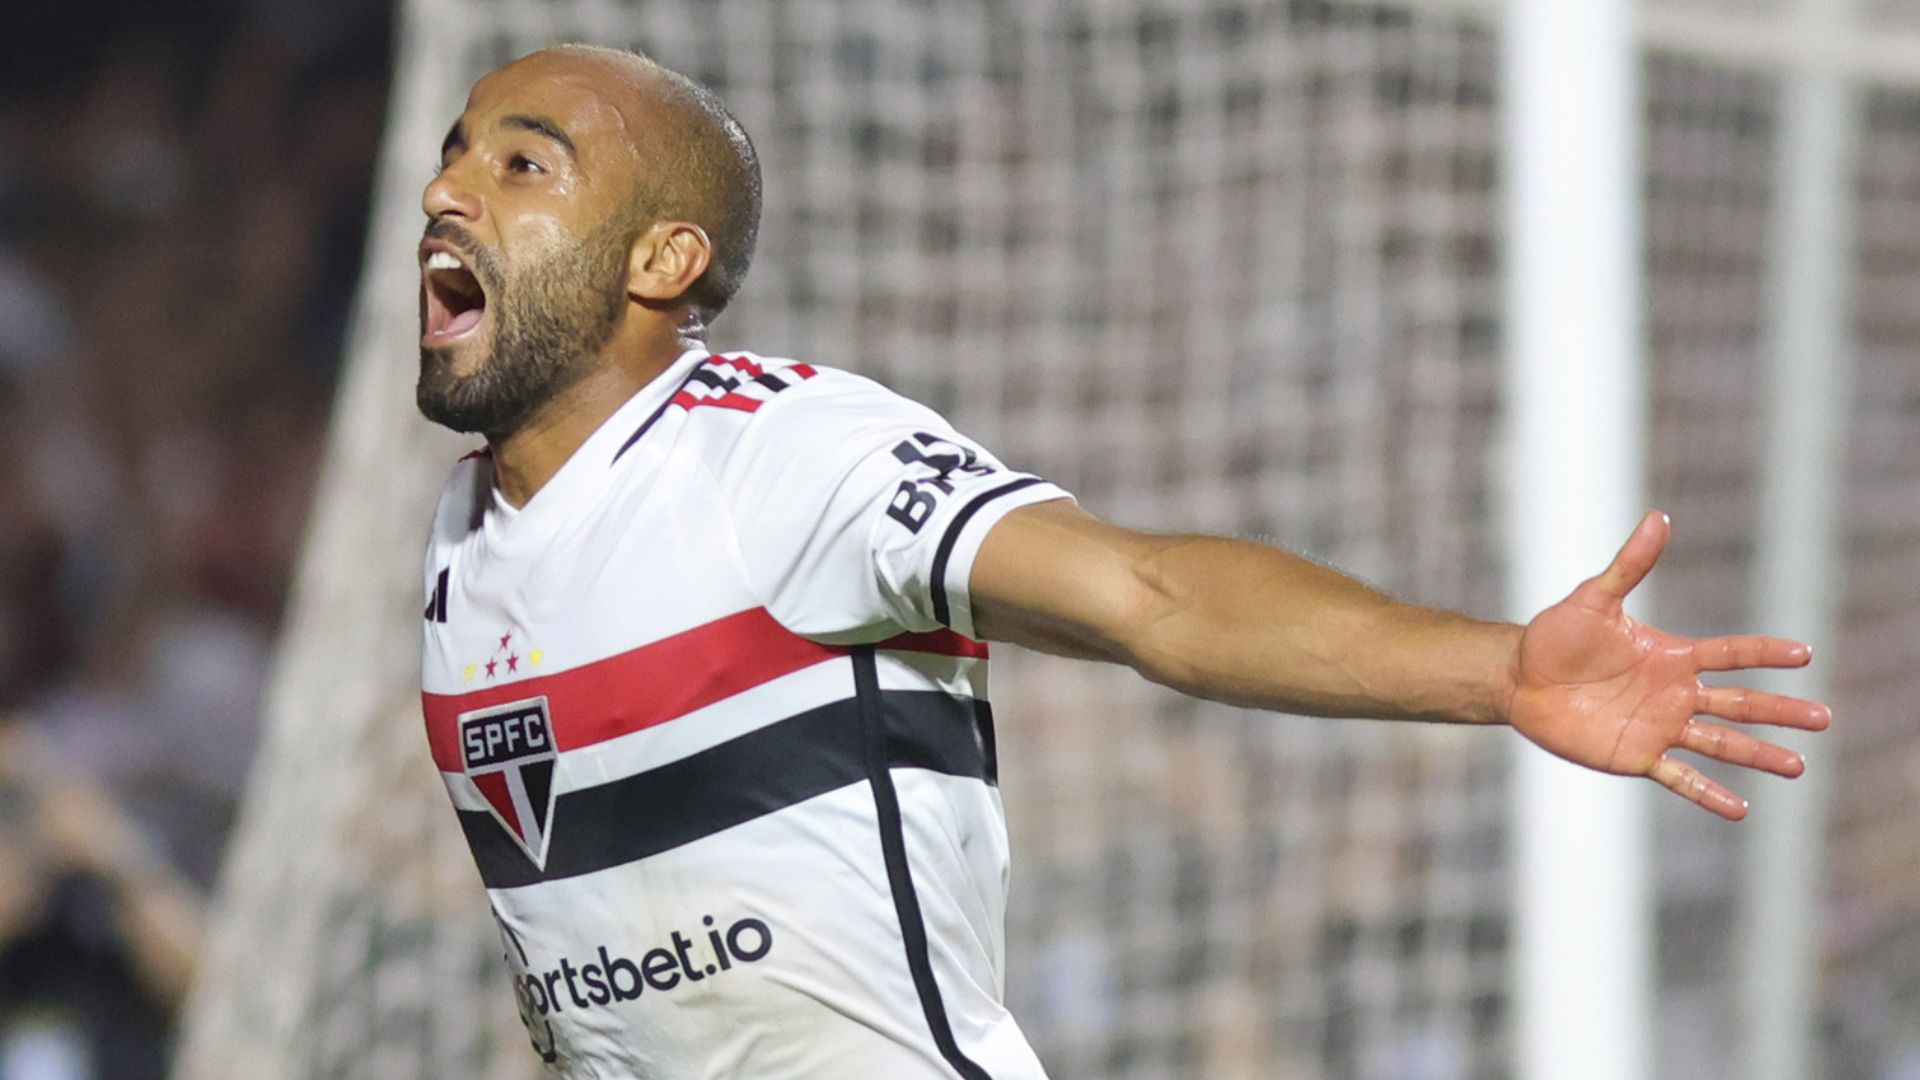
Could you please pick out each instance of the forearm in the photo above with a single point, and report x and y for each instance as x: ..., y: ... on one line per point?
x: 1244, y: 623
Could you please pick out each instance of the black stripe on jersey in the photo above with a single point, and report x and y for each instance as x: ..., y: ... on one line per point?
x: 712, y: 379
x: 758, y: 773
x: 437, y: 603
x: 655, y: 416
x: 945, y: 551
x: 881, y: 736
x: 771, y: 381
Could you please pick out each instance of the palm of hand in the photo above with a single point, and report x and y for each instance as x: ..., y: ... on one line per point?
x: 1598, y: 688
x: 1602, y: 690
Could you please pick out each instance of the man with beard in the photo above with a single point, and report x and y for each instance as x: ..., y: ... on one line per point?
x: 705, y: 660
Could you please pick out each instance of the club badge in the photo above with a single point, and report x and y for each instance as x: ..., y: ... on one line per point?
x: 508, y: 752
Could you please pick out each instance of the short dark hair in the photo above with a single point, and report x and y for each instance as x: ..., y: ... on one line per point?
x: 710, y: 176
x: 719, y: 174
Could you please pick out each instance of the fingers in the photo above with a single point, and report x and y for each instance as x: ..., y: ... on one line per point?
x: 1739, y: 748
x: 1744, y: 706
x: 1635, y: 558
x: 1692, y: 785
x: 1749, y: 651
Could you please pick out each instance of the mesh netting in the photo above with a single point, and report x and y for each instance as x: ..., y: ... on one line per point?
x: 1710, y: 153
x: 1229, y: 266
x: 1873, y: 918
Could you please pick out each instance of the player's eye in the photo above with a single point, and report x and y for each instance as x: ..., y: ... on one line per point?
x: 521, y: 163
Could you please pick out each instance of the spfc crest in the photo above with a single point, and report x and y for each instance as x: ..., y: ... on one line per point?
x: 509, y: 753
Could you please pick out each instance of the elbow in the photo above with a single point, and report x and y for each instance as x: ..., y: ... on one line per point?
x: 1159, y: 662
x: 1151, y: 637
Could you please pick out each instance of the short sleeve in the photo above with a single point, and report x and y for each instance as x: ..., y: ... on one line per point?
x: 858, y: 512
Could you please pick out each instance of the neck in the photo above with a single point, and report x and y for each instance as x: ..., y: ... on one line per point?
x: 525, y: 459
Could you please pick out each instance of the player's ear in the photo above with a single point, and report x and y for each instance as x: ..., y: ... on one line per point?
x: 667, y: 259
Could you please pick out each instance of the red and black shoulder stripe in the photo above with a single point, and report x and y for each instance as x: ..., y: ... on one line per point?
x: 737, y: 382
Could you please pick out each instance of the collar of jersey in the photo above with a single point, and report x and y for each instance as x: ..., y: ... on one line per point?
x: 584, y: 473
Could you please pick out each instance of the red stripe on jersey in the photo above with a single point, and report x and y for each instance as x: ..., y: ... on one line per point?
x: 725, y: 401
x: 740, y: 363
x: 639, y: 688
x: 942, y: 641
x: 805, y: 371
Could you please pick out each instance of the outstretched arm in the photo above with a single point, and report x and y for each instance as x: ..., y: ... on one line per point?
x: 1235, y: 621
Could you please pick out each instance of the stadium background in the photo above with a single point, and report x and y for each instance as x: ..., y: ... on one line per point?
x: 1224, y: 265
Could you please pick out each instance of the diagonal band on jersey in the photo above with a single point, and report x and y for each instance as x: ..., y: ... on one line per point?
x: 759, y: 773
x: 661, y: 681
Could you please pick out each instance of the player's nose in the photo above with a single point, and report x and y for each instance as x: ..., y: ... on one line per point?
x: 447, y: 196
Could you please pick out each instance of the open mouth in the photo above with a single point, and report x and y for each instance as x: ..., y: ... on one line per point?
x: 453, y: 300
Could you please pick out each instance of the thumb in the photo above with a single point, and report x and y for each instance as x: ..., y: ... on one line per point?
x: 1630, y: 565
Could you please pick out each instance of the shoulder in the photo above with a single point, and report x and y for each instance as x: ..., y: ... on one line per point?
x: 739, y: 384
x: 744, y: 383
x: 748, y: 406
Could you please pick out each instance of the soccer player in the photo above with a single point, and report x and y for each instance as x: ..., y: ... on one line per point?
x: 705, y: 667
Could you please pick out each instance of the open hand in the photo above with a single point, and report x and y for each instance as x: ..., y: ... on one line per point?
x: 1606, y: 691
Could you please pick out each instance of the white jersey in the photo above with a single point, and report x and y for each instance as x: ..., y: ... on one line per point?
x: 714, y: 724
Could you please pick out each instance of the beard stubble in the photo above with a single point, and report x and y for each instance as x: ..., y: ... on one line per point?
x: 550, y: 320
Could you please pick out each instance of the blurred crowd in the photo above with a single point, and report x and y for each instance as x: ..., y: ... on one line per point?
x: 183, y: 194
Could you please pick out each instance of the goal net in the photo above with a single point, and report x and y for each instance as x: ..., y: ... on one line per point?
x: 1225, y: 265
